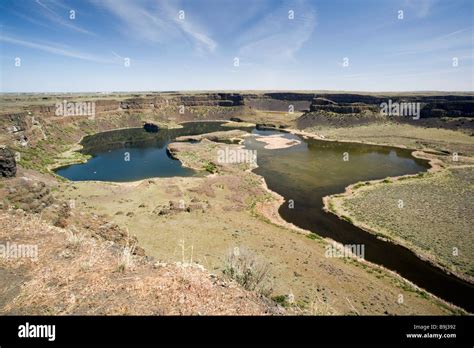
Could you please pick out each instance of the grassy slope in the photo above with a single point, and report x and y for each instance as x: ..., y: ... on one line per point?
x: 402, y: 134
x: 435, y: 219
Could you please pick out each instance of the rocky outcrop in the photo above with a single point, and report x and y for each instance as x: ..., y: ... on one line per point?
x: 7, y: 163
x: 348, y: 98
x: 16, y: 122
x: 112, y: 232
x: 176, y: 207
x: 448, y: 108
x: 29, y: 195
x: 431, y: 105
x: 344, y: 109
x: 208, y: 99
x: 138, y: 103
x: 106, y: 105
x: 351, y: 106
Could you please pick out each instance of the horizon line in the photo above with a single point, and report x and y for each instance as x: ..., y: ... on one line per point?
x: 241, y: 91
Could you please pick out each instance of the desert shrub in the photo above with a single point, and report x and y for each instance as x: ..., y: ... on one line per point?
x: 282, y: 300
x: 210, y: 167
x: 126, y: 258
x: 243, y: 266
x: 74, y: 240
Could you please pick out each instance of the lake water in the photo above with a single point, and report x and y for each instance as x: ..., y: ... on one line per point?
x: 303, y: 174
x: 133, y: 154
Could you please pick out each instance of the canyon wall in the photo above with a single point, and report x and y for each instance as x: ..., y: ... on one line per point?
x: 26, y: 124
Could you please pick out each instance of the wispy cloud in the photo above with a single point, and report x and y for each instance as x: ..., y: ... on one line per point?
x: 30, y: 19
x: 202, y: 41
x: 457, y: 39
x: 454, y: 33
x: 58, y: 50
x: 276, y: 37
x: 49, y: 9
x: 157, y: 22
x: 421, y: 8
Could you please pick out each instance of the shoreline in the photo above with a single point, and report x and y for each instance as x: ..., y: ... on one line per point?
x: 435, y: 167
x: 349, y: 191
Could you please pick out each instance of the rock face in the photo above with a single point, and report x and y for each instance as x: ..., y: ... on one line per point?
x: 28, y: 125
x: 7, y: 163
x: 29, y: 195
x: 431, y: 106
x: 347, y: 109
x: 279, y: 101
x: 322, y: 101
x: 112, y: 232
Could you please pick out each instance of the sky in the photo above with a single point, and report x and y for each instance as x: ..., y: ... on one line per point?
x: 159, y: 45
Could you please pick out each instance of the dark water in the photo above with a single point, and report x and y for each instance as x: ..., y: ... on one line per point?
x: 304, y: 173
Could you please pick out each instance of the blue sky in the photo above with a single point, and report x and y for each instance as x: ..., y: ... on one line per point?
x: 274, y: 51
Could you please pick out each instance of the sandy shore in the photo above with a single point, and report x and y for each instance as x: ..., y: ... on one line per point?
x: 277, y: 141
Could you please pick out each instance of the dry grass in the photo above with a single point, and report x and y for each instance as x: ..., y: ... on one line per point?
x: 86, y: 280
x: 434, y: 220
x: 126, y: 261
x: 74, y: 240
x: 243, y: 266
x: 402, y: 134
